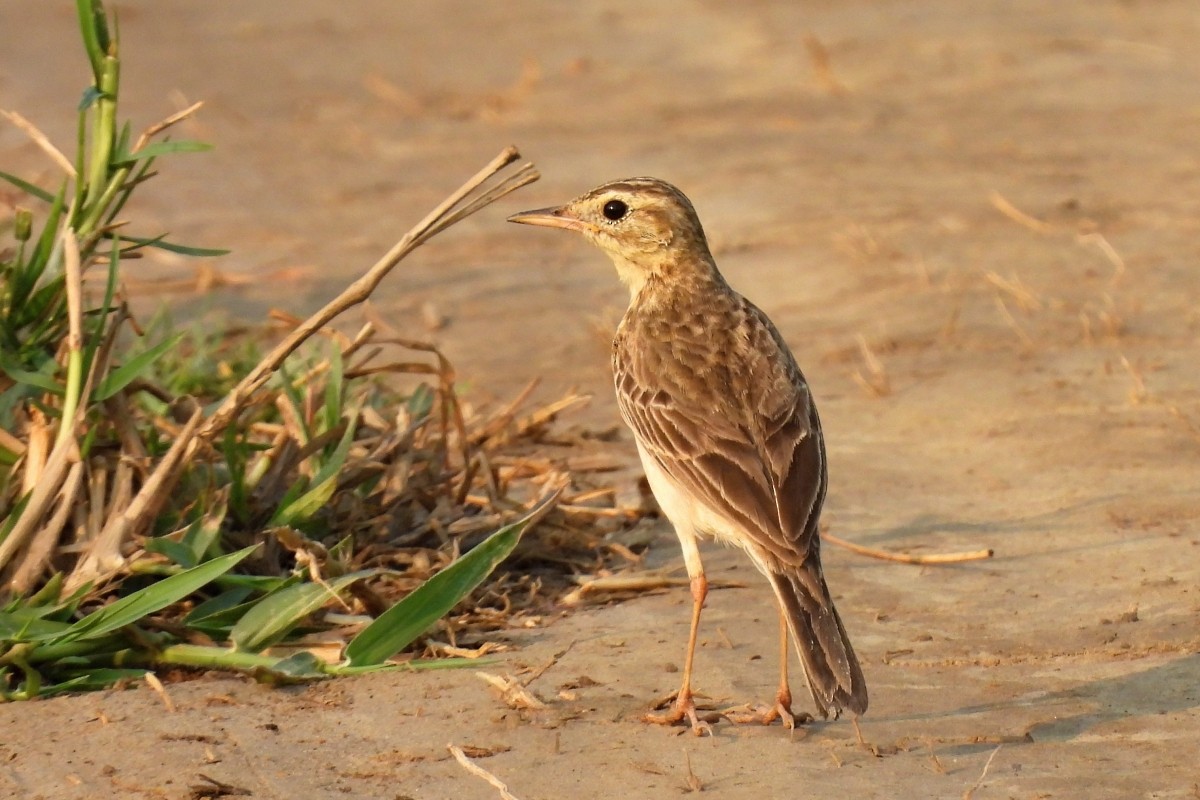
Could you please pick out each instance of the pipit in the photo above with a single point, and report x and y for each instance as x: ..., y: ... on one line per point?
x: 725, y: 425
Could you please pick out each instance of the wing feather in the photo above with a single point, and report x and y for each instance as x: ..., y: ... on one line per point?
x: 756, y: 457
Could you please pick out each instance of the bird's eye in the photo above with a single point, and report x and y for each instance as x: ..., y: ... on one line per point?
x: 615, y: 210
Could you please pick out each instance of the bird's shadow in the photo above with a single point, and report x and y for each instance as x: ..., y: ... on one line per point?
x: 1162, y: 689
x: 1063, y: 520
x: 927, y: 524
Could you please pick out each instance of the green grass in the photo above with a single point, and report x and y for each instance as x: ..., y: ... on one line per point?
x: 180, y: 498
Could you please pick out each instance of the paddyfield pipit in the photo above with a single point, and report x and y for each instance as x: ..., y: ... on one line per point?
x: 725, y: 425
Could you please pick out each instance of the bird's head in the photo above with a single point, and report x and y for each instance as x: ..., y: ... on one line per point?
x: 647, y: 226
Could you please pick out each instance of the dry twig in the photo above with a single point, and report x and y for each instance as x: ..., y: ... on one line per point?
x: 479, y: 772
x: 161, y: 691
x: 40, y: 139
x: 642, y: 582
x: 1017, y: 215
x: 979, y: 781
x: 905, y: 558
x: 444, y: 215
x: 514, y: 695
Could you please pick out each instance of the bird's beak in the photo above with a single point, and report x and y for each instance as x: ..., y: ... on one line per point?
x: 558, y: 217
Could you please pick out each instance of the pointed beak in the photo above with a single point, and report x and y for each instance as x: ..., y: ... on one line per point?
x: 557, y: 217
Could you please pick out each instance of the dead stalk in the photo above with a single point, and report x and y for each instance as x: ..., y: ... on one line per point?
x: 1017, y: 215
x: 437, y: 220
x: 479, y: 772
x: 29, y: 129
x: 905, y: 558
x: 1012, y: 321
x: 104, y: 555
x: 37, y: 556
x: 979, y: 781
x: 1109, y: 252
x: 876, y: 381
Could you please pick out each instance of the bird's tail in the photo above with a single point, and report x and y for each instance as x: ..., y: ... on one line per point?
x: 834, y: 676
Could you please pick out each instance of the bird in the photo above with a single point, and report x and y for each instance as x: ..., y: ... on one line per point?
x: 726, y: 428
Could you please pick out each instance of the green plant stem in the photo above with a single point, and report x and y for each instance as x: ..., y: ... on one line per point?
x: 74, y: 388
x: 195, y: 655
x: 103, y: 136
x: 54, y: 651
x: 92, y: 34
x: 92, y: 219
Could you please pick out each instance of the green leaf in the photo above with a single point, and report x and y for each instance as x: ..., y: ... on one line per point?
x: 47, y: 598
x: 95, y: 32
x: 160, y: 148
x: 123, y: 375
x: 338, y: 670
x: 302, y: 666
x: 219, y: 614
x: 300, y: 509
x: 27, y: 187
x: 203, y: 534
x: 337, y: 460
x: 90, y: 95
x: 420, y: 403
x: 297, y: 509
x: 39, y: 380
x: 275, y: 615
x: 91, y: 680
x: 154, y: 597
x: 161, y: 243
x: 178, y: 552
x: 397, y: 627
x: 188, y: 547
x: 46, y: 241
x: 16, y: 626
x: 334, y: 389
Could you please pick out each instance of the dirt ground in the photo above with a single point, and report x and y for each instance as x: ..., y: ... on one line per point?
x: 976, y: 223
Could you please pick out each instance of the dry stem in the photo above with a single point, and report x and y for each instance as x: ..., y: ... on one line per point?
x: 479, y: 772
x: 1017, y: 215
x: 979, y: 781
x: 437, y: 220
x: 39, y: 138
x: 905, y: 558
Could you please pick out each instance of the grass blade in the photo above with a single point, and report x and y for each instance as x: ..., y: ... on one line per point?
x: 153, y: 598
x: 397, y: 627
x: 161, y: 148
x: 295, y: 510
x: 38, y: 380
x: 272, y: 617
x: 92, y: 680
x: 27, y: 187
x: 18, y: 627
x: 162, y: 244
x: 123, y: 375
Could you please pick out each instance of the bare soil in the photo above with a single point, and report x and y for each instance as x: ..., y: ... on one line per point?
x: 976, y: 223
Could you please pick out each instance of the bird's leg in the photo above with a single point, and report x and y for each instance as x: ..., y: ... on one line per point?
x: 782, y: 710
x: 685, y: 704
x: 783, y: 697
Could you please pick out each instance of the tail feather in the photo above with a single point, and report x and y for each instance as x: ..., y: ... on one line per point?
x: 834, y: 675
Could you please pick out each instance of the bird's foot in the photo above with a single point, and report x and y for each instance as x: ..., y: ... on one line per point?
x: 766, y: 715
x: 678, y: 707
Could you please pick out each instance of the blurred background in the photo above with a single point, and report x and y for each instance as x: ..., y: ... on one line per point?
x: 844, y: 156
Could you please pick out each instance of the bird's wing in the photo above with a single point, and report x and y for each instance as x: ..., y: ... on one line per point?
x: 757, y: 460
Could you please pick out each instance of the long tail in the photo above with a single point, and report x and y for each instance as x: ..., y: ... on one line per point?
x: 834, y: 676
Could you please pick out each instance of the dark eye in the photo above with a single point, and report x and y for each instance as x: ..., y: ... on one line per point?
x: 615, y: 210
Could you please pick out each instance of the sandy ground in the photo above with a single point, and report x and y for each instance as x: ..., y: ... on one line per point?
x: 1035, y: 387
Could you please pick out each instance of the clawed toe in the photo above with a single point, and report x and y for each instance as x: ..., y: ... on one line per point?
x: 766, y: 715
x: 681, y: 707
